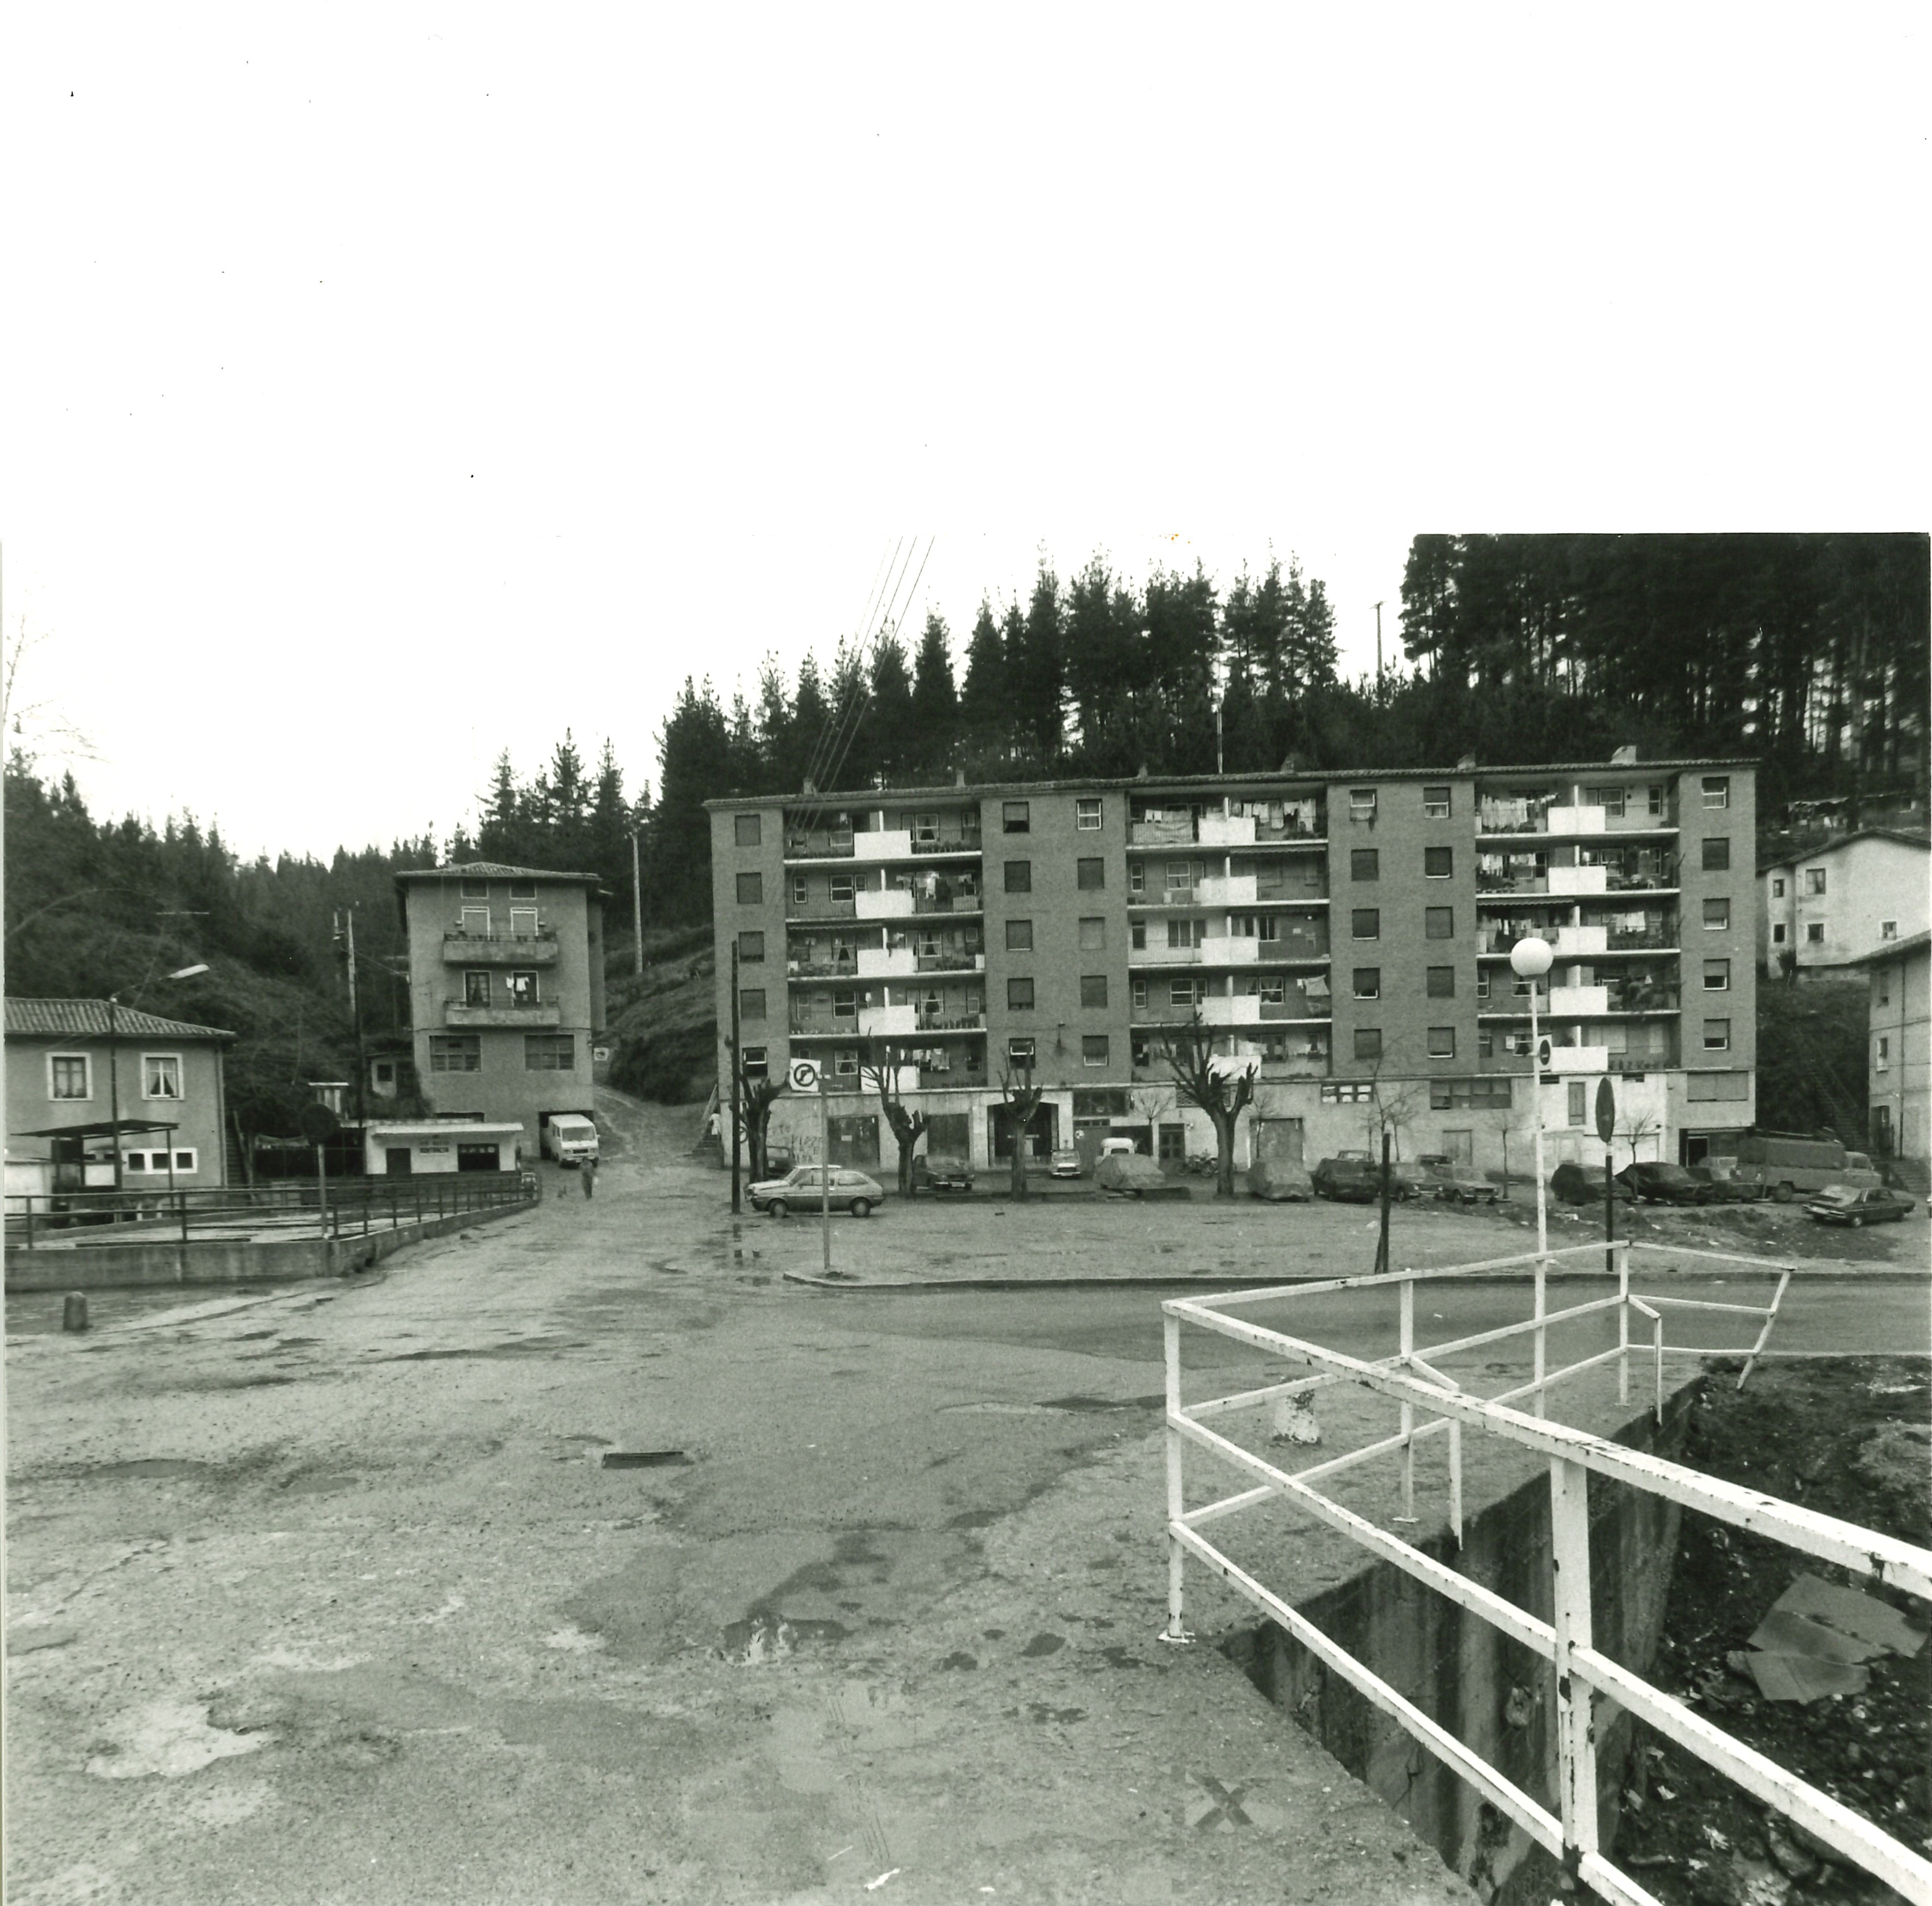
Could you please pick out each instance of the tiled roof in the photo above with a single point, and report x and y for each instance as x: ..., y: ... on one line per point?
x: 88, y: 1018
x: 488, y: 870
x: 1892, y: 949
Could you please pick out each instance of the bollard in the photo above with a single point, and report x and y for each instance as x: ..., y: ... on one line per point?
x: 73, y: 1311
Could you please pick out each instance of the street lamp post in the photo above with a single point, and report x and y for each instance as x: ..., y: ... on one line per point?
x: 1531, y: 958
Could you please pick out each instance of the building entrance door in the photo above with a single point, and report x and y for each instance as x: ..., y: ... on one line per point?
x: 396, y: 1161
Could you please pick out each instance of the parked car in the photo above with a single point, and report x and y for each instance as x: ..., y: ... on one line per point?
x: 1661, y: 1183
x: 802, y: 1190
x: 1354, y: 1178
x: 942, y: 1173
x: 1278, y: 1180
x: 1583, y: 1184
x: 1065, y: 1163
x: 1460, y: 1184
x: 1112, y: 1147
x: 1135, y: 1175
x: 1857, y: 1205
x: 1723, y: 1185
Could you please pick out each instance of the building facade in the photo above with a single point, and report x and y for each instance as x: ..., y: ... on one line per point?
x: 1899, y: 1061
x: 1827, y: 912
x: 506, y: 991
x: 1347, y: 936
x: 85, y: 1077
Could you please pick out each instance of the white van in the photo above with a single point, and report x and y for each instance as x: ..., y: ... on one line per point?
x: 570, y: 1138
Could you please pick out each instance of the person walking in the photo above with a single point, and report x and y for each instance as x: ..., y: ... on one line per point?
x: 587, y: 1170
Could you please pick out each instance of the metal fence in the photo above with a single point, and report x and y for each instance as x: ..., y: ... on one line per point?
x: 336, y: 1207
x: 1412, y: 1380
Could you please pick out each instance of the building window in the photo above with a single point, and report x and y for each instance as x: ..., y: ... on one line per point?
x: 1187, y: 933
x: 1140, y: 995
x: 845, y: 1062
x: 1814, y: 879
x: 1610, y: 799
x: 1717, y: 916
x: 476, y: 890
x: 455, y: 1052
x: 1716, y: 1035
x: 1438, y: 863
x: 751, y: 949
x: 1019, y: 996
x: 1888, y: 930
x: 1179, y: 876
x: 160, y: 1075
x: 1093, y: 936
x: 1462, y: 1095
x: 1136, y: 876
x: 156, y: 1162
x: 1137, y: 935
x: 1814, y: 933
x: 523, y: 989
x: 1093, y: 1048
x: 1435, y: 804
x: 1345, y: 1093
x: 1486, y: 1043
x: 1019, y: 1052
x: 750, y: 828
x: 1717, y: 791
x: 1362, y: 804
x: 1094, y: 990
x: 523, y: 890
x: 1182, y: 991
x: 1777, y: 934
x: 1090, y: 876
x: 1778, y: 889
x: 1142, y: 1048
x: 1442, y: 1042
x: 1578, y: 1094
x: 66, y: 1076
x: 1440, y: 983
x: 843, y: 886
x: 1019, y: 935
x: 751, y: 1002
x: 1365, y: 923
x: 1365, y: 863
x: 1882, y: 1060
x: 1015, y: 817
x: 1439, y: 922
x: 1368, y: 1042
x: 1717, y: 975
x: 1019, y: 876
x: 476, y: 986
x: 1368, y: 982
x: 1086, y: 814
x: 750, y: 890
x: 801, y: 890
x: 1716, y: 853
x: 845, y: 1004
x: 550, y: 1052
x: 1482, y: 983
x: 754, y: 1063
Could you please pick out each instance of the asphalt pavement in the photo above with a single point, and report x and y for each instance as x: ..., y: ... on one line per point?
x: 583, y: 1558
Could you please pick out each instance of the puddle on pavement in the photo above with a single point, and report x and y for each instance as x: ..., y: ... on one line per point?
x: 1081, y: 1405
x: 319, y: 1482
x: 975, y: 1518
x: 644, y: 1459
x: 515, y: 1346
x: 772, y: 1638
x: 164, y: 1468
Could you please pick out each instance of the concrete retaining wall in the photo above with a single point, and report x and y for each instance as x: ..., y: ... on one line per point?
x: 1488, y: 1691
x: 156, y: 1261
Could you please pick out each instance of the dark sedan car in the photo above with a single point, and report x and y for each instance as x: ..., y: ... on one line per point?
x: 1724, y: 1187
x: 1857, y: 1205
x: 1460, y: 1183
x: 1662, y: 1184
x: 1354, y: 1178
x: 1583, y: 1184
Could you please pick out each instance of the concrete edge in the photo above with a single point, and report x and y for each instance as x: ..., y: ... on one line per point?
x: 1183, y: 1282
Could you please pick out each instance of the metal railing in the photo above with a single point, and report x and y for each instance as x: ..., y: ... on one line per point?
x: 337, y: 1206
x: 1411, y: 1377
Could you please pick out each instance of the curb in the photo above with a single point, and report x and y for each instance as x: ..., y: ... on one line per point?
x: 1198, y: 1281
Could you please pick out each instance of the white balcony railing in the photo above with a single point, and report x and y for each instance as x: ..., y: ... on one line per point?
x: 1227, y: 830
x: 1574, y: 943
x: 893, y: 903
x: 876, y: 1022
x: 1231, y: 950
x: 887, y: 962
x: 1577, y: 880
x: 882, y: 844
x: 1579, y: 1058
x: 1573, y: 821
x: 1579, y: 1002
x: 1225, y: 890
x: 1244, y: 1010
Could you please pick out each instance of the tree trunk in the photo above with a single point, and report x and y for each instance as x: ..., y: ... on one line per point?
x: 1224, y: 1145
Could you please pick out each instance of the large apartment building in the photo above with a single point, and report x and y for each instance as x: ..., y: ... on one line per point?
x: 1346, y: 936
x: 506, y: 990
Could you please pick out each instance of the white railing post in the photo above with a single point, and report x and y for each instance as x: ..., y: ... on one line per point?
x: 1408, y: 1347
x: 1455, y: 1480
x: 1623, y: 1321
x: 1575, y: 1734
x: 1176, y: 1500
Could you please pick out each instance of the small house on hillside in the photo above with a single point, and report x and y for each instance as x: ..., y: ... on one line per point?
x: 1825, y: 912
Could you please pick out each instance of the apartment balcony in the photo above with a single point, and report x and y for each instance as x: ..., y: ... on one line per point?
x: 1565, y: 820
x: 883, y: 903
x: 821, y: 907
x: 1226, y: 890
x: 1579, y: 1002
x: 882, y: 844
x: 1177, y: 833
x: 1571, y: 1060
x: 1580, y: 942
x: 1655, y: 881
x: 1271, y: 890
x: 818, y: 1026
x: 887, y: 1022
x: 1577, y: 882
x: 461, y: 949
x: 946, y: 843
x: 887, y: 962
x: 952, y: 1078
x: 946, y: 903
x: 1662, y: 939
x: 1165, y: 956
x: 950, y: 963
x: 818, y: 847
x: 821, y: 969
x: 954, y: 1022
x: 1243, y: 1010
x: 1230, y: 950
x: 1226, y: 831
x: 459, y: 1013
x: 1644, y: 999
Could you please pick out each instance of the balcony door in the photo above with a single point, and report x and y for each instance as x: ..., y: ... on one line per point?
x: 523, y: 923
x: 475, y: 923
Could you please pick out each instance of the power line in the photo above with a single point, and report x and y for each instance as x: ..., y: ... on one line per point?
x: 821, y: 747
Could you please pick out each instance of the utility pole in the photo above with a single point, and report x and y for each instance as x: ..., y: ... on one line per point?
x: 348, y: 918
x: 114, y: 1084
x: 637, y: 925
x: 1378, y: 648
x: 735, y: 1206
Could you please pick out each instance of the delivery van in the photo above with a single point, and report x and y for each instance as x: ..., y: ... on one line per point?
x: 570, y: 1138
x: 1782, y: 1167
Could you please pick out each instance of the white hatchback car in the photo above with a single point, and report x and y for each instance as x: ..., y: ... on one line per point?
x: 803, y: 1189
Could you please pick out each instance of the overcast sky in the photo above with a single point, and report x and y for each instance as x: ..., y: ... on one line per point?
x: 386, y: 385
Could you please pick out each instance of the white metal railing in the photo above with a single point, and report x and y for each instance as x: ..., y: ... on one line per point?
x: 1410, y: 1378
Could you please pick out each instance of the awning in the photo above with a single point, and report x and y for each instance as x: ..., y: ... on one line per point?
x: 101, y: 1128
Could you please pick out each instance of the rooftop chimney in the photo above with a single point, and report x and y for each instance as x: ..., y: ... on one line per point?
x: 1466, y: 764
x: 959, y: 777
x: 1625, y: 757
x: 809, y: 788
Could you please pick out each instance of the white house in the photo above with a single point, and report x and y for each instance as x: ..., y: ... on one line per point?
x: 1825, y: 912
x: 1899, y: 1059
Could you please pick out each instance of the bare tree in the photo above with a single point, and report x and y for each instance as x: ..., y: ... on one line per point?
x: 1220, y: 1087
x: 33, y: 728
x: 1636, y: 1127
x: 756, y: 1097
x: 880, y: 1068
x: 1021, y: 1099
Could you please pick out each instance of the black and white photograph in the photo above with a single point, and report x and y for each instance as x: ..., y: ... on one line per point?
x: 964, y: 958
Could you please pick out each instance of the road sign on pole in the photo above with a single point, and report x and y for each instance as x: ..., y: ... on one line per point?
x: 1607, y: 1110
x: 804, y: 1075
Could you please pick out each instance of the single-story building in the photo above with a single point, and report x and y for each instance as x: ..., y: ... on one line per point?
x: 409, y: 1148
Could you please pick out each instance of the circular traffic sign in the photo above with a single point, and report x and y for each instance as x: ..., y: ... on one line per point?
x: 804, y: 1075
